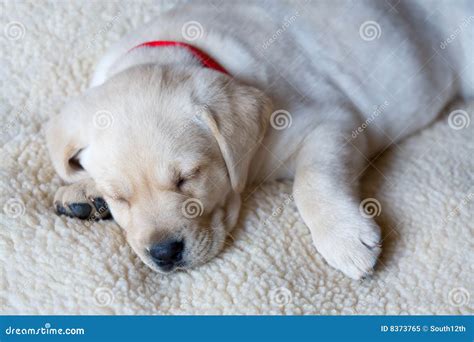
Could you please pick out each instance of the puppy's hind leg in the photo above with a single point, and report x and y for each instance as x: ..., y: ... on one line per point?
x: 81, y: 200
x: 327, y: 198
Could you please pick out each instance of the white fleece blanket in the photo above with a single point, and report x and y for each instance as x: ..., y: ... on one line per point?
x: 56, y: 265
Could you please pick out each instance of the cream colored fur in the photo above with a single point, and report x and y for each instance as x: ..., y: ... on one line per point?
x: 297, y: 193
x: 149, y: 93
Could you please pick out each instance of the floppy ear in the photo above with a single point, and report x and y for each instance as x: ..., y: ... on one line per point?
x: 65, y: 140
x: 238, y: 122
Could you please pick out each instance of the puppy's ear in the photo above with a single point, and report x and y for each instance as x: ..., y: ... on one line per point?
x: 65, y: 140
x: 238, y: 118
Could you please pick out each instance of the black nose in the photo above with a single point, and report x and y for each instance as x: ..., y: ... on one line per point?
x: 167, y: 254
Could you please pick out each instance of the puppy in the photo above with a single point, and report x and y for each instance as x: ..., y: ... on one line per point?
x: 187, y: 111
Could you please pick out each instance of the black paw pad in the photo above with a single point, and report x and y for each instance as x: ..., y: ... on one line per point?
x: 60, y: 210
x: 99, y: 204
x: 81, y: 210
x: 108, y: 216
x: 102, y: 209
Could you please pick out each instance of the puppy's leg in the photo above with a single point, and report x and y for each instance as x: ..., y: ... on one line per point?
x: 81, y: 200
x: 327, y: 199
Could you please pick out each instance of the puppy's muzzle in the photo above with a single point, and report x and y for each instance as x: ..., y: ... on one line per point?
x: 168, y: 254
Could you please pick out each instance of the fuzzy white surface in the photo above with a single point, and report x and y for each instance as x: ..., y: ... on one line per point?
x: 57, y: 265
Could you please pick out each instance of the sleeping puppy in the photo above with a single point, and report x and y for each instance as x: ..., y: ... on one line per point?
x: 186, y: 112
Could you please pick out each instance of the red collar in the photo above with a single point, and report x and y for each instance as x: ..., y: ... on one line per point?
x: 206, y: 60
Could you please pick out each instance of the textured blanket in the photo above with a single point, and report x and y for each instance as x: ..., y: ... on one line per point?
x: 421, y: 192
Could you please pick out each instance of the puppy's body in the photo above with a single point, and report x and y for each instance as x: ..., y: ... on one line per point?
x: 314, y: 69
x: 338, y: 96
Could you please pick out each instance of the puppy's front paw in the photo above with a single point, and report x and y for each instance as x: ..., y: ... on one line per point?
x: 352, y: 250
x: 81, y: 200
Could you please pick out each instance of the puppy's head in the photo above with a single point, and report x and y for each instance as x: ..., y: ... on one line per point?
x: 169, y: 148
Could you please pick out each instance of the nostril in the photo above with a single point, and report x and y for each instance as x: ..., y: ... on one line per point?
x: 167, y: 252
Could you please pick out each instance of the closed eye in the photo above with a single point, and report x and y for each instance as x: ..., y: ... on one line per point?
x: 180, y: 182
x: 183, y: 179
